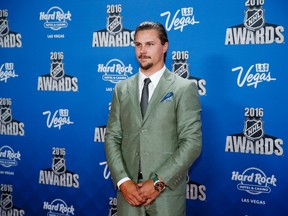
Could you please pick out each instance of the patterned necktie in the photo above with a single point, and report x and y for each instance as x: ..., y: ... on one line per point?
x: 145, y: 96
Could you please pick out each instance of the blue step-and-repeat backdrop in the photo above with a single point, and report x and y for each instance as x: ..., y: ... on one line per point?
x: 60, y: 61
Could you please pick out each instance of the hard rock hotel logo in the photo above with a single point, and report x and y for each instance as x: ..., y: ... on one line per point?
x: 180, y: 66
x: 8, y: 39
x: 114, y: 35
x: 254, y: 181
x: 9, y: 157
x: 8, y: 125
x: 58, y: 207
x: 115, y: 71
x: 57, y: 79
x: 253, y: 140
x: 58, y: 175
x: 55, y: 18
x: 254, y: 29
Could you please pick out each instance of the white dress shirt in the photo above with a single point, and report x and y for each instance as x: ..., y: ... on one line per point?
x: 154, y: 82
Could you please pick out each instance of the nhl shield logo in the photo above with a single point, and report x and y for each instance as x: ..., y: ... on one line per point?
x: 253, y: 129
x: 181, y: 69
x: 254, y: 19
x: 57, y: 70
x: 6, y: 201
x: 58, y: 165
x: 114, y: 24
x: 113, y: 211
x: 5, y: 115
x: 4, y: 28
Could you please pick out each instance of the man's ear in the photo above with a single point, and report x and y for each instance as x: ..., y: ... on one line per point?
x: 165, y: 47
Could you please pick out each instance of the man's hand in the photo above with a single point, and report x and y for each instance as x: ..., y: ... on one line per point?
x: 130, y: 191
x: 147, y: 191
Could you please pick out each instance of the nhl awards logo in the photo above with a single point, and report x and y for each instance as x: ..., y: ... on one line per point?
x: 180, y: 66
x: 253, y: 140
x: 8, y: 125
x: 58, y: 165
x: 114, y: 35
x: 254, y: 18
x: 8, y: 39
x: 58, y: 175
x: 255, y: 29
x: 57, y: 70
x: 4, y: 24
x: 253, y: 129
x: 6, y: 202
x: 6, y: 114
x: 57, y: 80
x: 114, y: 24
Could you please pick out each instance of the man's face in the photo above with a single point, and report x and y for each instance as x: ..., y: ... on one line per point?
x: 149, y: 50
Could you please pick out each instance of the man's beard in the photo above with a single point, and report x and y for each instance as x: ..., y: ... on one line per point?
x: 146, y: 67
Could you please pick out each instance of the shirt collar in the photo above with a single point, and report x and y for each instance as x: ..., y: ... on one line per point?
x: 154, y: 78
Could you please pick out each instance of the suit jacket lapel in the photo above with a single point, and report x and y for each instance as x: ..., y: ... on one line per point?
x: 164, y: 83
x: 133, y: 90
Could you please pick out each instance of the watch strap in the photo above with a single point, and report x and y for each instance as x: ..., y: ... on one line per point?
x: 155, y: 179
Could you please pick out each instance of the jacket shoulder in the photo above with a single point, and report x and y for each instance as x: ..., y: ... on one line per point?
x: 124, y: 83
x: 183, y: 81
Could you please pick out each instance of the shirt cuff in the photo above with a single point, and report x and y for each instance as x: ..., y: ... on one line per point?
x: 122, y: 181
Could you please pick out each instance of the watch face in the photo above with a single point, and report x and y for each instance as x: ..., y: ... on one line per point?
x: 159, y: 186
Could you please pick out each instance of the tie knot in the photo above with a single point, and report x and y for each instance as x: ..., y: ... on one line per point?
x: 147, y: 81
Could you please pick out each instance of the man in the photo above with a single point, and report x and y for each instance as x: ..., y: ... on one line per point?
x: 149, y: 152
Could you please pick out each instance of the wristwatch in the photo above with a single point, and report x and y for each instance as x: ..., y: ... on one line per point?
x: 158, y: 185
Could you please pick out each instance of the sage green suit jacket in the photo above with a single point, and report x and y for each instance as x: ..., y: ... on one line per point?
x: 167, y: 140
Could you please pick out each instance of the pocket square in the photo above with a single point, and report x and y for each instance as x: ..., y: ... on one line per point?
x: 168, y: 97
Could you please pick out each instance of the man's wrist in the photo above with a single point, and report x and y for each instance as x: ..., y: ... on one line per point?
x: 159, y: 185
x: 121, y: 181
